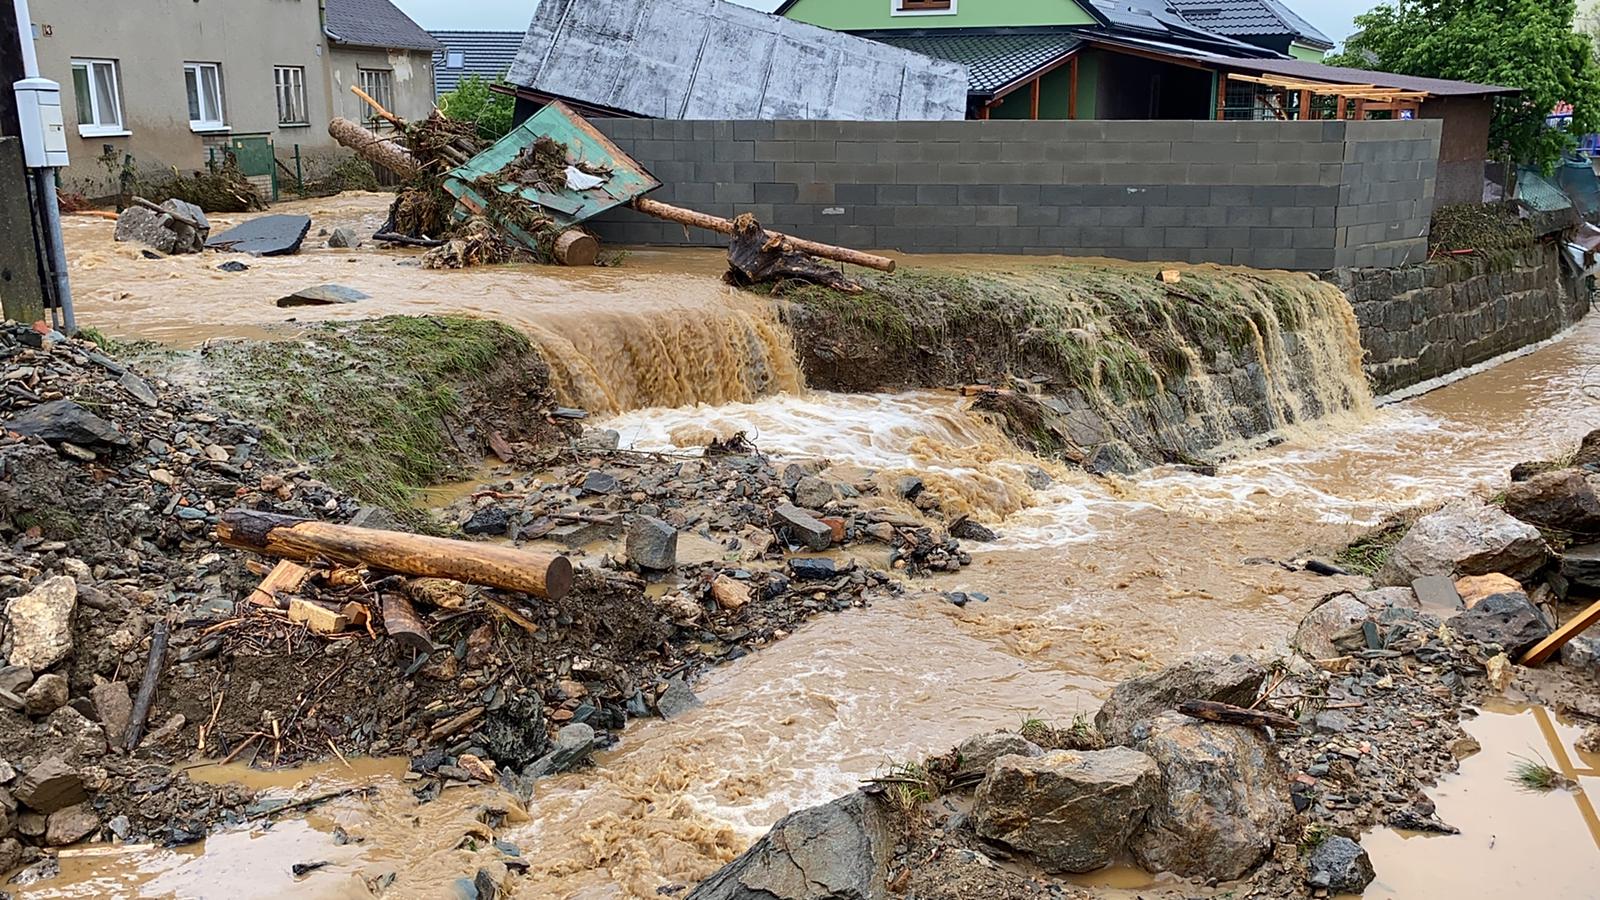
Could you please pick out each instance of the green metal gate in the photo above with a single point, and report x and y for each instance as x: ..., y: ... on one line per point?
x: 254, y: 153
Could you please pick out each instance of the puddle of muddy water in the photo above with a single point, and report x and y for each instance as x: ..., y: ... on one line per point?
x: 1512, y: 842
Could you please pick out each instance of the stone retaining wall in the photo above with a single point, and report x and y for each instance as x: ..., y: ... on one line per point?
x: 1421, y: 322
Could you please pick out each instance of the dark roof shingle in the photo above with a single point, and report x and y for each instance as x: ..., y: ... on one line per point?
x: 994, y: 60
x: 1252, y: 18
x: 374, y: 23
x: 486, y: 54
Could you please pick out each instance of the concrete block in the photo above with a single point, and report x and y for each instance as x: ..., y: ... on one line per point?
x: 1083, y: 173
x: 1100, y: 236
x: 1037, y: 216
x: 1214, y: 152
x: 692, y: 192
x: 817, y: 192
x: 978, y: 194
x: 734, y: 151
x: 1164, y: 216
x: 1205, y: 216
x: 854, y: 152
x: 873, y: 215
x: 1189, y: 194
x: 1221, y: 173
x: 897, y: 194
x: 1143, y: 236
x: 752, y: 172
x: 1184, y: 237
x: 753, y: 130
x: 775, y: 151
x: 1005, y: 216
x: 855, y: 173
x: 797, y: 172
x: 794, y: 130
x: 1249, y: 215
x: 1315, y: 195
x: 938, y: 195
x: 1291, y: 217
x: 1272, y: 238
x: 1230, y: 237
x: 1122, y: 216
x: 1151, y: 131
x: 795, y: 213
x: 1313, y: 238
x: 856, y: 194
x: 922, y: 216
x: 767, y: 192
x: 818, y: 151
x: 1071, y: 151
x: 975, y: 173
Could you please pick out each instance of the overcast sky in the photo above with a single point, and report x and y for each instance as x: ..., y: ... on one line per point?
x: 1334, y: 17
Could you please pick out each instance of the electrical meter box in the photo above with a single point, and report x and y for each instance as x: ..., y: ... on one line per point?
x: 44, y: 133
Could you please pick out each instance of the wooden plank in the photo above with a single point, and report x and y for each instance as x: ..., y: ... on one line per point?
x: 1035, y: 109
x: 1547, y: 647
x: 316, y: 617
x: 1072, y: 89
x: 286, y: 577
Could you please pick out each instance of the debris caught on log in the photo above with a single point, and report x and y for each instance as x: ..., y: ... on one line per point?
x: 756, y: 256
x: 725, y: 226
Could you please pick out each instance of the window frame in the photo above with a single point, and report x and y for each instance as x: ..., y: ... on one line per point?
x: 295, y: 84
x: 385, y: 96
x: 923, y: 7
x: 459, y: 55
x: 97, y: 128
x: 204, y: 125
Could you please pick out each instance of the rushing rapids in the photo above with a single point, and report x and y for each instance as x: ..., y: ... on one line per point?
x: 1092, y: 577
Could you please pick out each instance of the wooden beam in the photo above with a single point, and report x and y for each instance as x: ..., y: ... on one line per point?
x: 1072, y: 89
x: 1222, y: 95
x: 1305, y: 105
x: 1035, y: 106
x: 1548, y: 647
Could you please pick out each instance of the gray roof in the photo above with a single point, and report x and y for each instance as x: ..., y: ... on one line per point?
x: 1297, y: 68
x: 995, y: 60
x: 705, y: 59
x: 1249, y: 18
x: 486, y: 54
x: 374, y: 23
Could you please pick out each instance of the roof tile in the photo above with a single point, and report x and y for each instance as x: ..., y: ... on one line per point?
x: 374, y: 23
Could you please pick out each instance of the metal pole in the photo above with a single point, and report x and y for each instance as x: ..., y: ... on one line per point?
x: 58, y: 252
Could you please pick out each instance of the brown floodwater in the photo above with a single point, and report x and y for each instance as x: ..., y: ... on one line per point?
x: 1091, y: 580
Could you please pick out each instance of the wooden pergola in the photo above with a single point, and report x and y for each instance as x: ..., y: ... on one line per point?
x: 1367, y: 98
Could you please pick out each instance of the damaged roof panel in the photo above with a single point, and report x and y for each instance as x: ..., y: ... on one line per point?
x: 706, y: 59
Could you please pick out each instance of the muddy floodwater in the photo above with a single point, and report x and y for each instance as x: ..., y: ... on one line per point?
x: 1092, y: 579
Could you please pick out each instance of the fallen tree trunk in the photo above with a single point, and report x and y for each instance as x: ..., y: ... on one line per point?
x: 540, y: 574
x: 725, y: 226
x: 1228, y: 714
x: 379, y: 151
x: 755, y: 256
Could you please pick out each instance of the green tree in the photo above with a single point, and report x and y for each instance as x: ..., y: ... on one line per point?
x: 1527, y: 44
x: 473, y: 101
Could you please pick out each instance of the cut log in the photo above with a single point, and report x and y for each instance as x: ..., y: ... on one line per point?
x: 1547, y: 648
x: 725, y: 226
x: 147, y: 686
x: 375, y: 149
x: 756, y: 256
x: 1228, y: 714
x: 540, y: 574
x: 286, y: 577
x: 575, y: 247
x: 403, y: 624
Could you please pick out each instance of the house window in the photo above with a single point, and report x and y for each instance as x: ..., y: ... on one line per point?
x: 290, y: 82
x: 379, y: 85
x: 455, y: 59
x: 922, y: 7
x: 99, y: 94
x: 203, y: 81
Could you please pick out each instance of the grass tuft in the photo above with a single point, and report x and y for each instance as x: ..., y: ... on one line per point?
x: 1537, y: 776
x: 1080, y: 735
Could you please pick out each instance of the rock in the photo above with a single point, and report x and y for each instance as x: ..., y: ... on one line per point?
x: 64, y: 420
x: 729, y: 592
x: 908, y: 487
x: 343, y: 238
x: 1562, y: 499
x: 70, y: 825
x: 12, y: 855
x: 812, y: 569
x: 139, y: 390
x: 41, y: 624
x: 1112, y: 457
x: 15, y: 678
x: 652, y: 544
x: 1498, y: 672
x: 837, y: 851
x: 160, y: 231
x: 322, y: 295
x: 1225, y: 799
x: 573, y: 745
x: 75, y: 736
x: 882, y: 532
x: 1205, y: 676
x: 375, y: 517
x: 1580, y: 565
x: 1071, y: 811
x: 1589, y: 741
x: 1509, y: 620
x: 49, y: 786
x: 676, y: 699
x: 1582, y: 653
x: 976, y: 753
x: 599, y: 483
x: 1331, y: 721
x: 1473, y: 588
x: 968, y: 530
x: 1466, y: 537
x: 48, y: 694
x: 599, y: 440
x: 1335, y: 615
x: 10, y: 701
x: 233, y: 265
x: 1437, y: 592
x: 488, y: 520
x: 1339, y: 865
x: 113, y: 707
x: 801, y: 527
x: 264, y: 236
x: 814, y: 492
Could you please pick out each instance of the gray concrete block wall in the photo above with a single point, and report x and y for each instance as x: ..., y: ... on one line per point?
x: 1421, y: 322
x: 1298, y: 195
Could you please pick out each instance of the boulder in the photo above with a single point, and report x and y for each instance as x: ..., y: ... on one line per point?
x: 15, y: 678
x: 64, y: 420
x: 1340, y: 866
x: 801, y: 527
x: 12, y: 854
x: 652, y: 544
x: 730, y: 593
x: 40, y: 624
x: 807, y: 569
x: 677, y: 699
x: 1580, y: 565
x: 1561, y: 499
x: 490, y: 520
x: 1332, y: 618
x: 1583, y: 654
x: 113, y: 707
x: 1205, y: 676
x: 1225, y: 799
x: 1071, y: 811
x: 1466, y: 537
x: 974, y: 754
x: 48, y: 694
x: 573, y: 745
x: 814, y: 492
x: 70, y: 825
x: 343, y: 238
x: 837, y: 851
x: 1509, y: 620
x: 161, y: 232
x: 1473, y: 588
x: 1588, y: 450
x: 49, y: 786
x: 322, y: 295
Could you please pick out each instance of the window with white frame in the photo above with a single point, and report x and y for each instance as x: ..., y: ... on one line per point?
x: 290, y: 82
x: 203, y: 82
x: 379, y: 85
x: 455, y: 59
x: 99, y: 96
